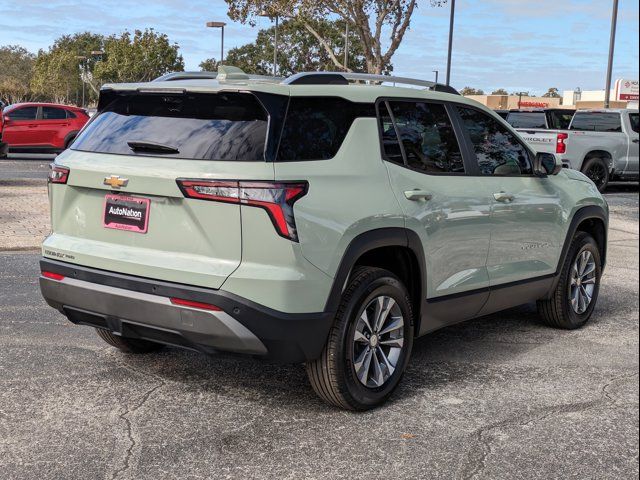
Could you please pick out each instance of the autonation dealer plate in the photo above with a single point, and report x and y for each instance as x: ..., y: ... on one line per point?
x: 126, y: 213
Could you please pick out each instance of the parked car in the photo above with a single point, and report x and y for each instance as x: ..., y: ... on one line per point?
x: 602, y: 144
x: 541, y: 118
x: 40, y: 127
x: 314, y: 221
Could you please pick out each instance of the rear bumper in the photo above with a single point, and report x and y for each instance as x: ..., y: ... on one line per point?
x: 141, y: 308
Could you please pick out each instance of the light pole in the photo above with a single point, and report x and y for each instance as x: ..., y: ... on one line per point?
x: 612, y: 44
x: 219, y: 25
x: 346, y: 46
x: 265, y: 13
x: 436, y: 72
x: 84, y: 61
x: 83, y: 74
x: 453, y: 8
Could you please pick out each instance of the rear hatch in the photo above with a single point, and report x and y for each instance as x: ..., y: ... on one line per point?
x: 122, y: 209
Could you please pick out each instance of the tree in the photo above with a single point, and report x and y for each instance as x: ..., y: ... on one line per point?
x: 552, y: 93
x: 57, y: 76
x: 521, y: 94
x: 210, y: 65
x: 371, y: 20
x: 298, y: 50
x: 58, y: 71
x: 471, y: 91
x: 500, y: 91
x: 138, y: 57
x: 16, y: 70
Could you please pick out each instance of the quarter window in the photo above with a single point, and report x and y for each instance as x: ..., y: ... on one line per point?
x: 316, y: 127
x: 633, y: 118
x: 498, y: 151
x: 26, y: 113
x: 427, y: 137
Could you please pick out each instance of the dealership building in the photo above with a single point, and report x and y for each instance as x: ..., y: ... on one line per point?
x: 623, y: 95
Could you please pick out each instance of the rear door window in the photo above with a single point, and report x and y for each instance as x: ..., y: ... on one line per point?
x: 498, y: 151
x: 596, y: 122
x: 315, y: 127
x: 52, y: 113
x: 527, y: 119
x: 222, y: 126
x: 428, y: 139
x: 24, y: 113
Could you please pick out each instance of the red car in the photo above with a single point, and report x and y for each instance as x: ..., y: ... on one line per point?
x: 40, y: 127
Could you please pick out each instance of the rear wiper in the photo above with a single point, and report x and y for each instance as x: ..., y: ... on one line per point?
x: 141, y: 146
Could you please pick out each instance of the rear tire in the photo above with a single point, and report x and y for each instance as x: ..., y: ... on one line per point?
x: 128, y: 345
x: 598, y: 172
x: 567, y: 307
x: 369, y: 344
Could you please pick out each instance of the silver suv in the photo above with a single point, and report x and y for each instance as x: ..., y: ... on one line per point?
x: 327, y: 218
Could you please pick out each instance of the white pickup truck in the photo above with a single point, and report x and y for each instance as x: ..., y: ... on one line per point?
x: 602, y: 144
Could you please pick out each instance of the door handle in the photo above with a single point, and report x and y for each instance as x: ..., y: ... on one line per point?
x: 503, y: 197
x: 33, y: 126
x: 635, y: 140
x: 417, y: 195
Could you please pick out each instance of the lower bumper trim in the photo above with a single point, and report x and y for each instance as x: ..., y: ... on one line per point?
x: 129, y: 305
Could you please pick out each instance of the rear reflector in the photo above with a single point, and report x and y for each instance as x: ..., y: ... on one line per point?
x: 190, y: 303
x: 53, y: 276
x: 58, y: 174
x: 276, y: 198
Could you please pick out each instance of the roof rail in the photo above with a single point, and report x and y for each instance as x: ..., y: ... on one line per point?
x: 227, y: 74
x: 343, y: 78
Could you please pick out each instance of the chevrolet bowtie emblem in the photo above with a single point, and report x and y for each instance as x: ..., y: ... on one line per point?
x: 115, y: 181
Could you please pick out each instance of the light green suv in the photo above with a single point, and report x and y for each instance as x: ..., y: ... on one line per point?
x: 328, y: 218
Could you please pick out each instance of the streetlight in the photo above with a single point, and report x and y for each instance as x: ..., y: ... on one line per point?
x: 436, y: 72
x: 453, y: 8
x: 265, y: 13
x: 346, y: 46
x: 612, y: 43
x: 219, y: 25
x: 84, y: 60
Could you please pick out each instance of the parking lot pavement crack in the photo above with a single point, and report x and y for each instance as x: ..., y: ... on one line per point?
x: 125, y: 417
x: 477, y: 458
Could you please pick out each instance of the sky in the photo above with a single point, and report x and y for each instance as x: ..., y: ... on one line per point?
x: 514, y: 44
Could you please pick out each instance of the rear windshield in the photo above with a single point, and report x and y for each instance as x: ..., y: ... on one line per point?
x: 527, y: 119
x: 223, y: 126
x: 560, y: 120
x: 597, y: 122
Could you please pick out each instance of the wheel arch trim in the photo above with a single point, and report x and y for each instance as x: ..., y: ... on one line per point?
x: 371, y: 240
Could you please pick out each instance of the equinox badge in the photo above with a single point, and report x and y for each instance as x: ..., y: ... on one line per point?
x: 115, y: 181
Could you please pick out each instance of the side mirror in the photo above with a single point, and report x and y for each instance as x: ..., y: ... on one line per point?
x: 6, y: 119
x: 546, y: 164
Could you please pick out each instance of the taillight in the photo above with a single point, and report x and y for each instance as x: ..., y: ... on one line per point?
x: 276, y: 198
x: 58, y: 174
x: 53, y: 275
x: 190, y: 303
x: 561, y: 147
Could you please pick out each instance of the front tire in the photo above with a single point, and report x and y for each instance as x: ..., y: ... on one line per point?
x: 369, y: 344
x: 572, y: 302
x: 128, y: 345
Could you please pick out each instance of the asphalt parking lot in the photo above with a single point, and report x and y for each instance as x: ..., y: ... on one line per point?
x: 497, y: 397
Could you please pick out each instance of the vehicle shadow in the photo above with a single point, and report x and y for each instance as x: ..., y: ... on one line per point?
x: 448, y: 355
x: 622, y: 187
